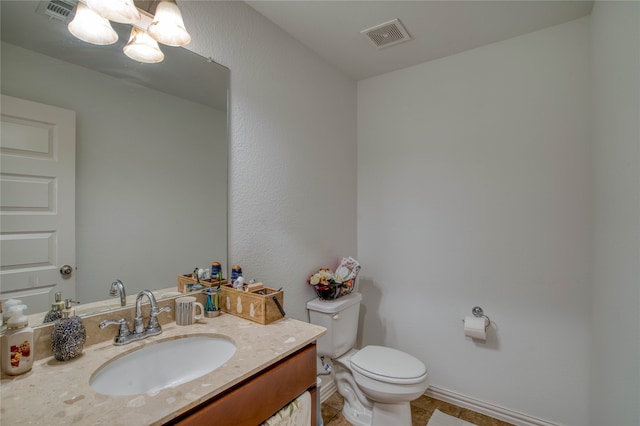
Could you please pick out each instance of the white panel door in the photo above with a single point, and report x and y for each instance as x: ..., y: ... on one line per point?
x: 37, y: 202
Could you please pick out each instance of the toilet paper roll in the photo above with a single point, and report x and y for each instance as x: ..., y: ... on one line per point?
x: 474, y: 327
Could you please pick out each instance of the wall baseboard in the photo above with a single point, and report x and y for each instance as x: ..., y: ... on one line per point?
x: 329, y: 387
x: 482, y: 407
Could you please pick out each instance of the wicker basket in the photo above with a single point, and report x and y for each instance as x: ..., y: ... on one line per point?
x: 327, y: 294
x: 335, y: 291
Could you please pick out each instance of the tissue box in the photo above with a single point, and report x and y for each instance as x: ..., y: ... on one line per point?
x: 186, y: 283
x: 260, y: 308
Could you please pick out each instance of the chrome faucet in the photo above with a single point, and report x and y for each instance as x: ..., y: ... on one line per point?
x: 139, y: 331
x: 117, y: 287
x: 153, y: 327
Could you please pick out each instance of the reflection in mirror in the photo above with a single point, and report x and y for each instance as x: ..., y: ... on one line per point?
x: 151, y: 157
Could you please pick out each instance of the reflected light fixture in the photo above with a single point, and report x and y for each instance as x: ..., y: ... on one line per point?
x: 143, y: 48
x: 91, y: 24
x: 123, y: 11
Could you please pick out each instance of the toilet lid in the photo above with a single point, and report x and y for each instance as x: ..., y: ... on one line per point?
x: 388, y: 365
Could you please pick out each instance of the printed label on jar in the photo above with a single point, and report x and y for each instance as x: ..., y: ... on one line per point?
x: 19, y: 351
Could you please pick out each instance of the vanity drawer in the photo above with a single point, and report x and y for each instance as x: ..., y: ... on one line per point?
x: 256, y: 399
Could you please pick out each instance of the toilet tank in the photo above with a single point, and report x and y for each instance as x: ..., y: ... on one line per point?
x: 340, y: 318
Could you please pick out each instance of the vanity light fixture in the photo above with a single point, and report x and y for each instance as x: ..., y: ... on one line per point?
x: 143, y: 48
x: 91, y: 24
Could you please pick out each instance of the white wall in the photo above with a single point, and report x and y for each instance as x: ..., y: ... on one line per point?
x: 615, y: 62
x: 141, y: 155
x: 474, y: 189
x: 501, y: 169
x: 293, y: 149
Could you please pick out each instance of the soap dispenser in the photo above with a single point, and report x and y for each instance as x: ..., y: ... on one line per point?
x: 68, y: 335
x: 56, y: 309
x: 8, y: 304
x: 17, y: 345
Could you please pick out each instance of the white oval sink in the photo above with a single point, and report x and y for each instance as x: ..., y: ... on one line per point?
x: 161, y: 365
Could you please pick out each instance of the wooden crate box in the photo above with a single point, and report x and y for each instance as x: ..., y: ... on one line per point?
x: 260, y: 308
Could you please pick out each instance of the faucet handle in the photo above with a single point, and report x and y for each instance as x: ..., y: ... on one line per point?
x: 159, y: 311
x: 154, y: 326
x: 123, y: 330
x: 121, y: 322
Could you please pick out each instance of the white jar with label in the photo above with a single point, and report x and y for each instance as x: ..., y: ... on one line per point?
x: 17, y: 345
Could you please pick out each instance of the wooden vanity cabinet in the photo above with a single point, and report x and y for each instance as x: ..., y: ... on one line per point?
x: 259, y: 397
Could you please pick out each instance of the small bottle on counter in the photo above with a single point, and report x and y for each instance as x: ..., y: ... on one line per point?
x: 216, y: 269
x: 236, y: 271
x: 56, y: 309
x: 17, y: 346
x: 68, y: 335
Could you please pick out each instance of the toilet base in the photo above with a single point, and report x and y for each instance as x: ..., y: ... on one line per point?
x: 381, y: 415
x: 356, y: 415
x: 356, y: 409
x: 391, y: 414
x: 362, y: 411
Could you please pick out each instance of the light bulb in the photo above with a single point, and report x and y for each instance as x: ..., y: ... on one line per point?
x: 167, y: 26
x: 143, y: 48
x: 123, y: 11
x: 89, y: 26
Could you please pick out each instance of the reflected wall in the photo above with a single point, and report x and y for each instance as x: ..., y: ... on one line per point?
x: 151, y: 182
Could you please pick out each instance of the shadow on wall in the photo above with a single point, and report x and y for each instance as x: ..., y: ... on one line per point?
x: 373, y: 328
x: 371, y: 298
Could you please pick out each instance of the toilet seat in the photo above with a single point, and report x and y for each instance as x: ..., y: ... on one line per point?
x: 388, y: 365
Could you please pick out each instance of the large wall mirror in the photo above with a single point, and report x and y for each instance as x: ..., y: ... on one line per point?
x: 151, y: 152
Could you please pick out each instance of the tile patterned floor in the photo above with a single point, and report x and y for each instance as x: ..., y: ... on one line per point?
x: 421, y: 410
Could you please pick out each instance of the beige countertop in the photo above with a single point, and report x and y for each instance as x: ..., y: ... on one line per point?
x: 55, y: 392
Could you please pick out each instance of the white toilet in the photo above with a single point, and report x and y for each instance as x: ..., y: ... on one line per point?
x: 377, y: 383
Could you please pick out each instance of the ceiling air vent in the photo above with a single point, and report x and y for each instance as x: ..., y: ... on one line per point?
x: 56, y: 9
x: 386, y: 34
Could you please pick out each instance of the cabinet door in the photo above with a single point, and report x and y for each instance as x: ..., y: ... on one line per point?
x: 261, y: 396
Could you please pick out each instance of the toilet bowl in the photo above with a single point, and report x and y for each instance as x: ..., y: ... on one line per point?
x: 379, y: 397
x: 376, y: 382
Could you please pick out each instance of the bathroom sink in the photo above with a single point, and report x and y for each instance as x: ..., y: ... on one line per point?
x: 161, y: 365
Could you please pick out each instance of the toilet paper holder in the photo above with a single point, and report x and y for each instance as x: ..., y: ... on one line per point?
x: 479, y: 313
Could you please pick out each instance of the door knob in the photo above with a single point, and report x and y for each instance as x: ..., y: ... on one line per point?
x: 66, y: 270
